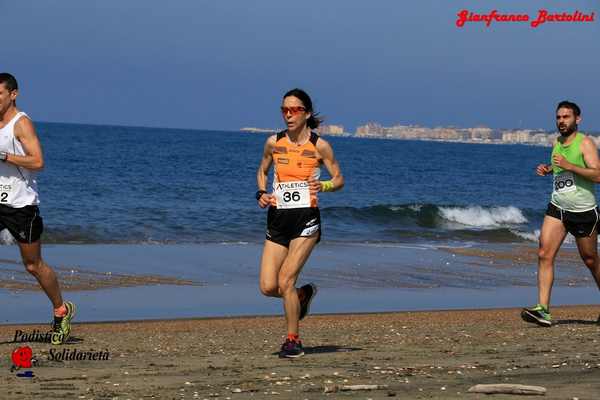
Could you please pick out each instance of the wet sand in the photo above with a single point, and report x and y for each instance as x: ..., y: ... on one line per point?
x: 413, y: 355
x: 93, y: 267
x: 193, y: 281
x: 77, y: 279
x: 517, y: 254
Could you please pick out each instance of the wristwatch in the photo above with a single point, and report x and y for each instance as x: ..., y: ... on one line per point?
x: 259, y: 194
x: 3, y: 156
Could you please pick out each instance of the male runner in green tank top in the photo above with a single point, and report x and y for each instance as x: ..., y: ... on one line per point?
x: 576, y: 167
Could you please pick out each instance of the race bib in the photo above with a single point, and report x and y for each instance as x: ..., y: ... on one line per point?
x: 292, y: 194
x: 564, y: 182
x: 5, y: 193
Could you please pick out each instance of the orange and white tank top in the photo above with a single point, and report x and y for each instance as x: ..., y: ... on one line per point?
x: 18, y: 187
x: 293, y: 165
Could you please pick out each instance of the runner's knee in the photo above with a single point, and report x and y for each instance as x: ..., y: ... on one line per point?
x: 33, y: 266
x: 545, y: 255
x: 270, y: 290
x: 591, y: 261
x: 286, y: 284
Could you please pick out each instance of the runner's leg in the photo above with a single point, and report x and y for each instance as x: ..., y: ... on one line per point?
x: 35, y: 265
x: 551, y: 237
x: 272, y: 258
x: 299, y: 251
x: 588, y: 250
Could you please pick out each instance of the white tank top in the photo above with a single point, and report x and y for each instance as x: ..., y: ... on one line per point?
x: 18, y: 187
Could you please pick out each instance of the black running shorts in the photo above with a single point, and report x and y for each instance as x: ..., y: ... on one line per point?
x: 578, y: 224
x: 285, y: 225
x: 25, y: 223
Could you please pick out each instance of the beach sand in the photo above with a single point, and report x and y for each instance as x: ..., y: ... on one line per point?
x: 416, y: 355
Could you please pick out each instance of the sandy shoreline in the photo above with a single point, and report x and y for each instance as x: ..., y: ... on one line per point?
x: 434, y: 355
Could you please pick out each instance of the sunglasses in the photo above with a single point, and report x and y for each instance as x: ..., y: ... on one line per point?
x: 292, y: 110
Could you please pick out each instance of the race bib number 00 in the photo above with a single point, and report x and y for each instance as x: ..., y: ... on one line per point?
x: 292, y: 194
x: 564, y: 182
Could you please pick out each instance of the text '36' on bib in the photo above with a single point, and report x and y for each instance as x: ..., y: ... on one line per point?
x: 292, y: 194
x: 564, y: 182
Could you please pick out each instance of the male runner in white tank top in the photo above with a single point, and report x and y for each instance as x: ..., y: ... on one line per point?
x: 20, y: 156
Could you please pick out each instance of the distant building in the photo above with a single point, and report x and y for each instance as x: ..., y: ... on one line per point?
x: 370, y: 129
x: 516, y: 136
x: 480, y: 133
x: 331, y: 130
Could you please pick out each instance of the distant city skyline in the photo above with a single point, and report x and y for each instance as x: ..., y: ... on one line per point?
x: 201, y: 64
x: 340, y: 128
x: 480, y: 134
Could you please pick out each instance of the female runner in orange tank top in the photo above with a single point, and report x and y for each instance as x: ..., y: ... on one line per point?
x: 293, y: 221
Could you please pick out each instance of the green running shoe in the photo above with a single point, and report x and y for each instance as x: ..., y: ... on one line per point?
x: 61, y: 327
x: 537, y: 315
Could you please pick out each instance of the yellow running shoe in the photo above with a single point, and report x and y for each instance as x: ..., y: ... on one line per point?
x: 61, y: 327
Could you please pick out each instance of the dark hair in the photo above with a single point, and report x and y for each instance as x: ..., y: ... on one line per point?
x: 314, y: 121
x: 571, y: 106
x: 9, y: 81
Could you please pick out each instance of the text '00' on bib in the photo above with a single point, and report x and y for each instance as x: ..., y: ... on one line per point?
x: 564, y: 182
x: 293, y: 194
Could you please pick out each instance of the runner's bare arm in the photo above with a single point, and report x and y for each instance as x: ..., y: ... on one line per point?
x: 265, y: 164
x: 25, y: 133
x: 332, y: 165
x: 263, y: 171
x: 590, y: 156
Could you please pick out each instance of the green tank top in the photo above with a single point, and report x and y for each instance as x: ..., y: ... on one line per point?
x: 572, y: 192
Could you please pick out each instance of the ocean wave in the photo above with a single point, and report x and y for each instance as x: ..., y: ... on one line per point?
x: 434, y: 216
x: 421, y: 222
x: 483, y: 217
x: 383, y: 223
x: 530, y: 236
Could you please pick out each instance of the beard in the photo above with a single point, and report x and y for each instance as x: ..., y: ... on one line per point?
x: 566, y: 130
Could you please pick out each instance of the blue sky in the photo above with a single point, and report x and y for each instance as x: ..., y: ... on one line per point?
x: 225, y: 64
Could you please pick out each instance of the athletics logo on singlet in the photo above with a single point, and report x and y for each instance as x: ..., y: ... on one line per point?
x: 292, y: 194
x: 564, y: 182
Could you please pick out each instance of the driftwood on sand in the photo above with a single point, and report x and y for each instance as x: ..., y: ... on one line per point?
x: 507, y: 388
x: 347, y: 388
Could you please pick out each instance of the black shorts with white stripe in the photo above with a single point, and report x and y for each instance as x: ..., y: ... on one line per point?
x: 283, y: 226
x: 578, y: 224
x: 24, y: 223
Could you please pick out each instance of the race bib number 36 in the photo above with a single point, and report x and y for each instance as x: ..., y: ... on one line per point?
x: 564, y: 182
x: 292, y: 194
